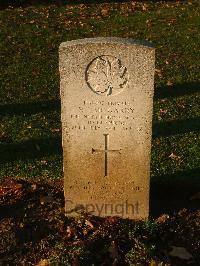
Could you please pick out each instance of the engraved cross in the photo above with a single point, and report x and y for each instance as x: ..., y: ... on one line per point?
x: 106, y: 151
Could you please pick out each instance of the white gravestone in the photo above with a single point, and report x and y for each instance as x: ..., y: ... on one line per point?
x: 107, y: 98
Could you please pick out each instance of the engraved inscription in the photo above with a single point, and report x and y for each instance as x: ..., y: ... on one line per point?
x: 106, y: 75
x: 98, y: 115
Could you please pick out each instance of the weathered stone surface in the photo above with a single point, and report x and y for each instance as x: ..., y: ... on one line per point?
x: 107, y: 96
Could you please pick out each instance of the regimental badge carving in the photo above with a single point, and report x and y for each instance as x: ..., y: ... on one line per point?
x: 106, y: 75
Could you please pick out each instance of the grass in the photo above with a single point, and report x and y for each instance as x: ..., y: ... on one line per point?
x: 30, y: 129
x: 30, y: 134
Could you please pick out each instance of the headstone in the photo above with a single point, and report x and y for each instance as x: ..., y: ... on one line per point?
x: 107, y: 96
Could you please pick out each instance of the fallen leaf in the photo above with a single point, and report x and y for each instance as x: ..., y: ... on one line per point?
x: 113, y: 250
x: 55, y: 130
x: 89, y: 224
x: 174, y: 156
x: 162, y: 219
x: 156, y: 263
x: 33, y: 186
x: 169, y: 83
x: 180, y: 252
x: 195, y: 196
x: 144, y: 7
x: 115, y: 262
x: 157, y: 70
x: 75, y: 261
x: 43, y: 162
x: 37, y: 147
x: 21, y: 225
x: 163, y: 100
x: 69, y: 231
x: 104, y: 12
x: 46, y: 199
x: 44, y: 262
x: 163, y: 111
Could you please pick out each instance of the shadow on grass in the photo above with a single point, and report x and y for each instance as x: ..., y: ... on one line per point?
x: 30, y: 108
x: 170, y: 193
x: 176, y: 90
x: 175, y: 127
x: 30, y: 149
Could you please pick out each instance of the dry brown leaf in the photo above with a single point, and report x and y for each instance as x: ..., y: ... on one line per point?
x: 89, y: 224
x: 46, y: 199
x: 43, y: 162
x: 156, y: 263
x: 69, y: 231
x: 37, y: 147
x: 174, y: 156
x: 157, y: 70
x: 195, y: 196
x: 55, y: 130
x: 104, y: 12
x: 162, y: 219
x: 180, y: 252
x: 163, y: 100
x: 113, y: 250
x: 44, y: 262
x: 144, y: 7
x: 169, y: 83
x: 115, y: 262
x: 163, y: 111
x: 75, y: 261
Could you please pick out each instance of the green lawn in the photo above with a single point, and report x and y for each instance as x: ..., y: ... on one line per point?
x: 30, y: 128
x: 30, y: 135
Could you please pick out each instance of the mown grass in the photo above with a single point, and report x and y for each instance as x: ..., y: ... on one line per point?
x: 30, y: 129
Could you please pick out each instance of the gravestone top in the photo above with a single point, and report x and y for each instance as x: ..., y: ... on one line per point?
x: 114, y: 40
x: 107, y: 98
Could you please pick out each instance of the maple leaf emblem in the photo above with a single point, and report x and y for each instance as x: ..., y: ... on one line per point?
x: 106, y: 75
